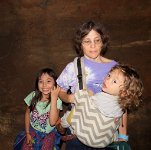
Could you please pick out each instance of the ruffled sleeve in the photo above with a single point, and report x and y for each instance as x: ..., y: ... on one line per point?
x: 29, y: 97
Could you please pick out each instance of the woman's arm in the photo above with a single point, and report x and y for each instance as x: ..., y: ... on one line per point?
x: 54, y: 111
x: 66, y: 80
x: 123, y: 128
x: 67, y: 98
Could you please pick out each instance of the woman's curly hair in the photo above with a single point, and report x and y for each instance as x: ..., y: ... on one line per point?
x: 131, y: 92
x: 84, y: 30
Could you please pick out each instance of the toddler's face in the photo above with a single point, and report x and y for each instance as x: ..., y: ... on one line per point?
x: 45, y: 84
x: 113, y: 82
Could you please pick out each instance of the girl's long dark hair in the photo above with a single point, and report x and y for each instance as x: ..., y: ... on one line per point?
x: 38, y: 94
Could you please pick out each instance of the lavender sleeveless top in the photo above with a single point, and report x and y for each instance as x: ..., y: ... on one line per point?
x: 95, y: 74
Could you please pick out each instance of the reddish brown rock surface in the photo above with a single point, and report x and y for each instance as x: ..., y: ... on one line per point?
x: 38, y: 33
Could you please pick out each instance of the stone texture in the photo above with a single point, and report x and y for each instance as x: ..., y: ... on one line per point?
x: 38, y: 33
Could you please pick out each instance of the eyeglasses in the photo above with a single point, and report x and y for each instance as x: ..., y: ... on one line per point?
x: 89, y: 42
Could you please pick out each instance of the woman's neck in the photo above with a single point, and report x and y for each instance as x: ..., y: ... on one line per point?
x: 97, y: 59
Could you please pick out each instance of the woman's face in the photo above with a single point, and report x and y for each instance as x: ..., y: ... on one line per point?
x: 92, y: 45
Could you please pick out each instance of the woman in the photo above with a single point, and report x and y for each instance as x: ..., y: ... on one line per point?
x: 90, y: 42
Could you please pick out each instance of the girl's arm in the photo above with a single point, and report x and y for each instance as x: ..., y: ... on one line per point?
x: 27, y: 126
x: 123, y: 128
x: 54, y: 111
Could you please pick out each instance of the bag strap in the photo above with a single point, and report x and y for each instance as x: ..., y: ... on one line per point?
x: 80, y: 72
x: 79, y: 76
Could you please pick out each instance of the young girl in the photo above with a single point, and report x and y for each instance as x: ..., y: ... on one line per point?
x: 41, y: 114
x: 121, y: 91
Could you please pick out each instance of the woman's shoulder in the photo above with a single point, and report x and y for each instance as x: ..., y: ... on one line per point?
x: 70, y: 65
x: 69, y: 69
x: 67, y: 73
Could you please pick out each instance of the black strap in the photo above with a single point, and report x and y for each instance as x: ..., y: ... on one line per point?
x: 69, y: 90
x: 79, y: 74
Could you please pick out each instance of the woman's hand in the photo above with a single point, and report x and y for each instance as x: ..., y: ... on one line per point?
x: 90, y: 93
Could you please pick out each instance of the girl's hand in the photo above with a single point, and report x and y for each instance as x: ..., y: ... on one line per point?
x: 54, y: 111
x: 28, y: 139
x: 55, y: 92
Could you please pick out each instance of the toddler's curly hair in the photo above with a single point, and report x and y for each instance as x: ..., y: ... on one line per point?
x: 130, y: 94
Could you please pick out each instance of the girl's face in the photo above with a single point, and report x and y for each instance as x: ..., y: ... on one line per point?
x: 45, y: 84
x: 113, y: 82
x: 92, y: 45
